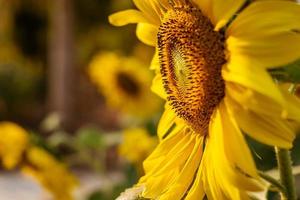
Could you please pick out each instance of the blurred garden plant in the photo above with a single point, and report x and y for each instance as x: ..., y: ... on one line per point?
x: 125, y: 83
x: 21, y: 60
x: 86, y: 148
x: 215, y: 66
x: 17, y: 151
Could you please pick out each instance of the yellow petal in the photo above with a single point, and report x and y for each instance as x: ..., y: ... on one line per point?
x: 147, y: 33
x: 292, y: 106
x: 127, y: 17
x: 217, y: 187
x: 151, y: 9
x: 186, y: 176
x: 220, y: 11
x: 166, y: 121
x: 165, y: 148
x: 165, y: 4
x: 232, y: 168
x: 224, y: 10
x: 206, y: 7
x: 236, y: 151
x: 261, y: 104
x: 227, y: 168
x: 252, y: 77
x: 215, y: 184
x: 266, y: 129
x: 157, y: 86
x: 196, y: 191
x: 179, y: 127
x: 266, y: 33
x: 165, y: 163
x: 155, y: 65
x: 155, y: 186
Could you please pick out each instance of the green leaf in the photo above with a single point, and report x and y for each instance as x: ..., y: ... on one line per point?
x: 289, y: 73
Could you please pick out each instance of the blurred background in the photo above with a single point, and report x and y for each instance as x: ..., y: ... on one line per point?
x: 77, y: 114
x: 79, y: 88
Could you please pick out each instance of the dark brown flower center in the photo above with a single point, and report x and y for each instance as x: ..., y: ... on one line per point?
x: 191, y: 56
x: 128, y: 84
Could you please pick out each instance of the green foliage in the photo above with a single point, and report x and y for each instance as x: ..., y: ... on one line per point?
x: 38, y: 140
x: 98, y: 195
x: 151, y: 127
x: 289, y: 73
x: 90, y: 137
x: 17, y: 82
x: 263, y: 155
x: 130, y: 180
x: 296, y: 151
x: 107, y: 195
x: 271, y: 195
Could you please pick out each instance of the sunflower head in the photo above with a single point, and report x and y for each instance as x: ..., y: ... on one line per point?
x: 191, y: 56
x: 125, y: 83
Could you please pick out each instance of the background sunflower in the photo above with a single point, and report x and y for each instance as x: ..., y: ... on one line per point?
x: 125, y: 82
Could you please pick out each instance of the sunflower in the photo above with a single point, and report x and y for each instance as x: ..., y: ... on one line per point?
x: 125, y: 82
x: 211, y: 63
x: 136, y: 146
x: 13, y: 142
x: 50, y: 173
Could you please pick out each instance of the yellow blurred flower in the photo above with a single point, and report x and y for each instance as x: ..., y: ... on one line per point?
x: 125, y: 82
x: 137, y: 145
x: 50, y: 173
x: 13, y: 142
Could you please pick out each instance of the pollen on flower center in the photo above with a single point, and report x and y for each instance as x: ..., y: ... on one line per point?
x: 191, y: 56
x: 127, y: 84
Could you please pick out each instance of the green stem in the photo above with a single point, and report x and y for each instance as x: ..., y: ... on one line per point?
x: 286, y: 174
x: 274, y: 183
